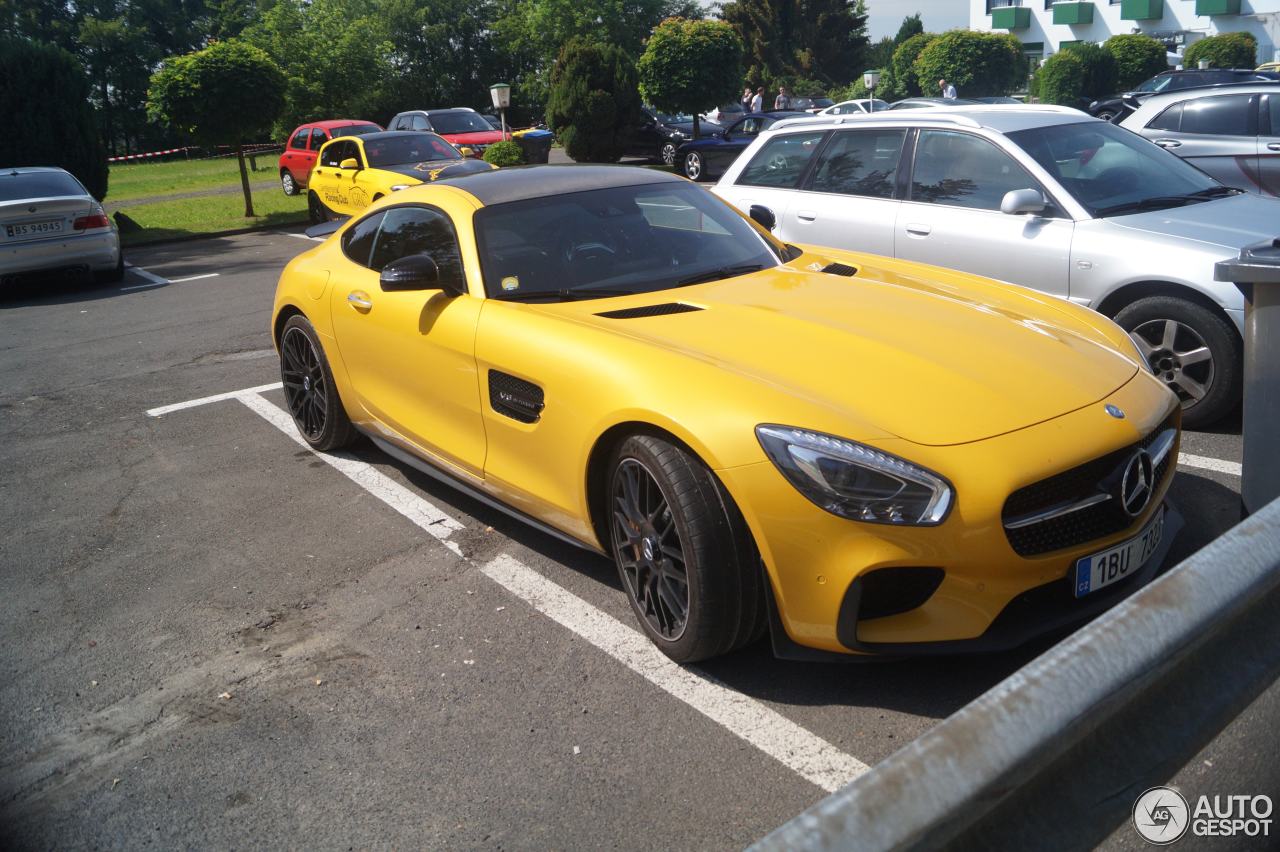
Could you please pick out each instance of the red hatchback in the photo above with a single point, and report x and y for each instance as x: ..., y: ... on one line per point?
x: 304, y: 143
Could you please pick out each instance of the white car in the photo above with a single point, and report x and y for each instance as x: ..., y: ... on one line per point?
x: 50, y: 223
x: 858, y: 106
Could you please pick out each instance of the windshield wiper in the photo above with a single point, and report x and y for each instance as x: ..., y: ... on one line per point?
x: 1159, y: 202
x: 566, y: 294
x: 721, y: 273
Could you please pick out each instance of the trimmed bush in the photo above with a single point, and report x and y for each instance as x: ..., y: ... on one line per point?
x: 1100, y: 70
x: 1061, y: 79
x: 903, y: 67
x: 1226, y: 50
x: 594, y: 101
x: 1138, y: 58
x: 977, y: 64
x: 45, y: 94
x: 504, y: 153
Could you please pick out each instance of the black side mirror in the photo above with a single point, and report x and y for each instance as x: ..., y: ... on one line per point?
x: 416, y: 272
x: 763, y: 216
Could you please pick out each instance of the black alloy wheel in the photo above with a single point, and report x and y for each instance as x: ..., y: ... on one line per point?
x: 309, y: 390
x: 685, y: 555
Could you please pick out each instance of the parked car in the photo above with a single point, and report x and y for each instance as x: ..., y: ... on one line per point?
x: 858, y: 106
x: 659, y: 134
x: 857, y: 455
x: 813, y: 105
x: 354, y: 172
x: 1231, y: 132
x: 1269, y: 66
x: 462, y: 126
x: 50, y: 223
x: 703, y: 158
x: 932, y: 103
x: 1041, y: 196
x: 299, y: 156
x: 1119, y: 105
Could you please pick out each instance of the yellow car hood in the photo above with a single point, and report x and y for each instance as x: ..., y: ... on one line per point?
x: 933, y: 363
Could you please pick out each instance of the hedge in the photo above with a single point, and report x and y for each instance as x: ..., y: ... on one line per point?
x: 1227, y: 50
x: 977, y: 64
x: 1138, y: 58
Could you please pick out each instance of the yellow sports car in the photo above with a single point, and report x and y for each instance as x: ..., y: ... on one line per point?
x: 352, y: 172
x: 853, y: 453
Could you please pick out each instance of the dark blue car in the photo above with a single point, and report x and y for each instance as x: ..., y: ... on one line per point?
x: 708, y: 157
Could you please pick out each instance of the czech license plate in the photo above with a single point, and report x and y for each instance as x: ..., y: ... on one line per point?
x: 27, y: 229
x: 1124, y: 560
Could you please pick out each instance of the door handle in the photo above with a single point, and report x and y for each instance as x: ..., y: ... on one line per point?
x: 919, y: 230
x: 806, y: 215
x: 1168, y: 143
x: 359, y: 300
x: 1273, y: 146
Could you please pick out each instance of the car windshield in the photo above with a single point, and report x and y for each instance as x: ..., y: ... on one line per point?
x: 605, y: 242
x: 1112, y: 171
x: 1155, y: 84
x: 409, y: 148
x: 38, y: 185
x: 674, y: 117
x: 356, y: 130
x: 459, y: 122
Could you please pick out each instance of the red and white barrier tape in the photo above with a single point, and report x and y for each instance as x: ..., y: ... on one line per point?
x: 257, y: 148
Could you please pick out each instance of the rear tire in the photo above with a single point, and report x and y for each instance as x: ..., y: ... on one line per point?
x: 287, y: 183
x: 316, y: 211
x: 309, y: 390
x: 686, y: 558
x: 1192, y: 349
x: 667, y: 154
x: 694, y: 166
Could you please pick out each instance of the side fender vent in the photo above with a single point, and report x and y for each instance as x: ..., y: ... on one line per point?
x: 840, y: 269
x: 515, y: 398
x: 650, y: 311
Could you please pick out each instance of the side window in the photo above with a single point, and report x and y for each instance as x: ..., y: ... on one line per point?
x: 964, y: 171
x: 299, y: 139
x: 1170, y: 119
x: 860, y: 162
x: 781, y: 161
x: 418, y: 230
x: 398, y: 123
x: 357, y: 242
x: 746, y: 127
x: 1274, y: 102
x: 329, y: 155
x: 1225, y: 115
x: 318, y: 138
x: 420, y: 123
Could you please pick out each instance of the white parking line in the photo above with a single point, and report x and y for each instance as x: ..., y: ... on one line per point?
x: 300, y: 236
x: 154, y: 279
x: 193, y: 277
x: 205, y: 400
x: 1206, y: 463
x: 143, y: 286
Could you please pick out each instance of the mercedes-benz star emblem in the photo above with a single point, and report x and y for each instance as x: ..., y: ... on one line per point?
x: 1115, y: 411
x: 1136, y: 484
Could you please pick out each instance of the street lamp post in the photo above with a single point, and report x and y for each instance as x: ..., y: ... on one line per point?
x: 869, y: 79
x: 501, y: 94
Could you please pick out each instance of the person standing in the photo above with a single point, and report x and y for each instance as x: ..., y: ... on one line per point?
x: 948, y: 90
x: 757, y: 102
x: 783, y: 100
x: 745, y: 100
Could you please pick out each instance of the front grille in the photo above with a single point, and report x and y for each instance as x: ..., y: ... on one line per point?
x: 1078, y: 483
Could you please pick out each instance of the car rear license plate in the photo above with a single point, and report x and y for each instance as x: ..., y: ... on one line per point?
x: 1124, y: 560
x: 27, y: 229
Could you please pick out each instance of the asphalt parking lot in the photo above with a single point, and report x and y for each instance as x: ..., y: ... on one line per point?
x: 212, y: 636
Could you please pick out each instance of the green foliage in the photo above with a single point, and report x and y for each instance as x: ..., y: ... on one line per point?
x: 1099, y: 70
x: 977, y: 64
x: 44, y: 130
x: 228, y: 93
x: 1226, y: 50
x: 880, y: 54
x: 1061, y: 79
x: 1138, y: 57
x: 690, y: 66
x: 505, y: 153
x: 911, y: 25
x: 594, y: 101
x: 823, y: 40
x: 904, y: 61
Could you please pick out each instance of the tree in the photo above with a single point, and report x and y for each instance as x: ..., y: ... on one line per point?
x: 823, y: 40
x: 904, y: 64
x: 50, y: 120
x: 1061, y: 79
x: 690, y: 66
x: 1137, y: 56
x: 230, y: 92
x: 978, y: 64
x: 911, y: 25
x: 1226, y: 50
x: 880, y: 54
x: 594, y: 101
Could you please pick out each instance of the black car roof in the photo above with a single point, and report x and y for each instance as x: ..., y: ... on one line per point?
x: 523, y: 182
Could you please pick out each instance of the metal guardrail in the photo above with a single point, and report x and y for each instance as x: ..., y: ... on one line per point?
x: 1055, y: 756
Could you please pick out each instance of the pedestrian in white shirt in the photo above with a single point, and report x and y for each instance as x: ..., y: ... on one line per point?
x: 757, y: 102
x: 948, y: 90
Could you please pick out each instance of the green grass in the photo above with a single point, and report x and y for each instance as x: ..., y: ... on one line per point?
x: 140, y: 180
x: 210, y: 214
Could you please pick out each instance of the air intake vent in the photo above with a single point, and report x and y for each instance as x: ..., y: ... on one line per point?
x: 515, y: 398
x: 650, y: 311
x: 840, y: 269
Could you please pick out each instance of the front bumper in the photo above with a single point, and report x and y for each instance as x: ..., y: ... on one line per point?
x: 94, y: 252
x: 812, y: 557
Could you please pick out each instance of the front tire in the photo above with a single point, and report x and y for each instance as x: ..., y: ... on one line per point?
x: 667, y: 154
x: 694, y: 167
x: 686, y: 558
x: 287, y: 183
x: 309, y: 389
x: 1196, y: 352
x: 1106, y: 115
x: 317, y: 213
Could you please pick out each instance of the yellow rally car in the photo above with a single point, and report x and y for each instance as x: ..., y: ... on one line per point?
x: 854, y: 453
x: 352, y: 172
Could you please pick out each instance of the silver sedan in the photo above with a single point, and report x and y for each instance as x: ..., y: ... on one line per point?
x: 50, y: 223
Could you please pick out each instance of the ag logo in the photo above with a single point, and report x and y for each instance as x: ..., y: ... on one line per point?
x: 1161, y: 815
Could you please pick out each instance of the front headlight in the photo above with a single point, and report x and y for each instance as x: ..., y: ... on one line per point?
x: 677, y: 134
x: 399, y: 186
x: 855, y: 481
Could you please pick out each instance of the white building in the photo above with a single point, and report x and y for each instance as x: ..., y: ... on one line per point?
x: 1044, y: 26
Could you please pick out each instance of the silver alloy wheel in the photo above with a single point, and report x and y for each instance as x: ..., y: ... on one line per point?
x: 693, y: 165
x: 1177, y: 355
x: 288, y: 183
x: 669, y: 154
